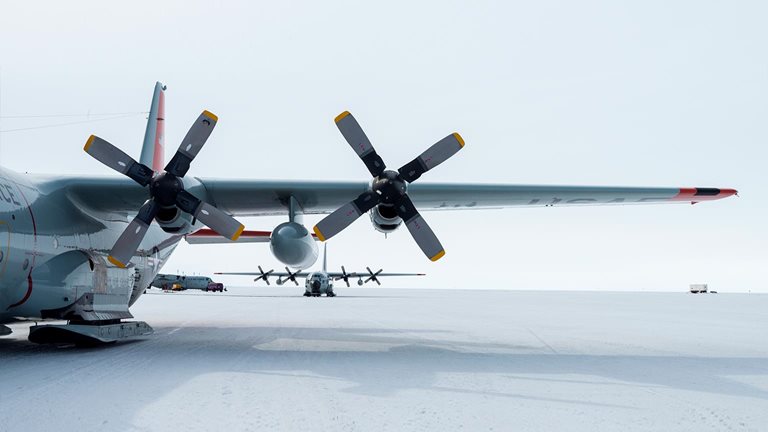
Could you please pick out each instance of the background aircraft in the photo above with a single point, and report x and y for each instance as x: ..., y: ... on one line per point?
x: 319, y: 282
x: 183, y: 282
x: 84, y: 248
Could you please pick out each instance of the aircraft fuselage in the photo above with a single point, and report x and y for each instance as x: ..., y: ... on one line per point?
x: 53, y: 256
x: 318, y: 283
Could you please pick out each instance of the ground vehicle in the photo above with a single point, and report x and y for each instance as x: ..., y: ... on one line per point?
x: 215, y: 286
x: 698, y: 288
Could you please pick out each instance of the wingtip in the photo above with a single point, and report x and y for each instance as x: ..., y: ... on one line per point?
x: 340, y: 116
x: 319, y: 235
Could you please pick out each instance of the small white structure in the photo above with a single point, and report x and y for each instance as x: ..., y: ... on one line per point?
x: 698, y: 288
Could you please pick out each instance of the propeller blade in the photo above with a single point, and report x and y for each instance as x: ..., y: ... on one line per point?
x: 292, y: 276
x: 219, y: 221
x: 432, y: 157
x: 344, y: 276
x: 116, y: 159
x: 373, y: 276
x: 264, y: 276
x: 342, y: 217
x: 360, y: 143
x: 216, y: 219
x: 128, y: 243
x: 420, y: 231
x: 192, y: 143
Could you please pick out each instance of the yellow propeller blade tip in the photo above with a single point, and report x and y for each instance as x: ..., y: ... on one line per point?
x: 459, y: 138
x: 239, y: 231
x: 438, y: 256
x: 115, y: 261
x: 340, y: 116
x: 318, y: 233
x: 89, y: 142
x: 211, y: 115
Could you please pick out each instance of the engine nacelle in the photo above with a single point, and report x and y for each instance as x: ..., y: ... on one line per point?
x: 385, y: 219
x: 173, y: 220
x: 293, y: 245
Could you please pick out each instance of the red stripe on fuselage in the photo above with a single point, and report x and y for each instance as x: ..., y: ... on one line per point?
x: 206, y: 232
x: 158, y: 159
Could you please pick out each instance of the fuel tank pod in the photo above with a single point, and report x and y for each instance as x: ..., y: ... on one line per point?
x: 293, y: 245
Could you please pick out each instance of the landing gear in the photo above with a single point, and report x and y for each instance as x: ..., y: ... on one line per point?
x: 88, y: 333
x: 306, y: 294
x: 330, y: 294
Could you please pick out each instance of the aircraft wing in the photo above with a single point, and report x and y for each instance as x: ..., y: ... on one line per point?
x: 276, y: 274
x: 338, y: 275
x: 121, y: 196
x: 257, y: 198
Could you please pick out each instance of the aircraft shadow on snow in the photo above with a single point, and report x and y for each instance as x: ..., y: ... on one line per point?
x: 408, y: 359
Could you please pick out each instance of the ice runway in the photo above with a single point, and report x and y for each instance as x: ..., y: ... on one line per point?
x: 384, y: 359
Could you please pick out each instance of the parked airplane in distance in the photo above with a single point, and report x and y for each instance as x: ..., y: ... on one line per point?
x: 84, y: 248
x: 319, y: 282
x: 181, y: 282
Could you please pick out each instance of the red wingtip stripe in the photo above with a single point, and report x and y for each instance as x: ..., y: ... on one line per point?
x: 685, y: 194
x: 695, y: 195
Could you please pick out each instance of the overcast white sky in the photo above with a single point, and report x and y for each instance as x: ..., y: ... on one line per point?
x: 652, y: 93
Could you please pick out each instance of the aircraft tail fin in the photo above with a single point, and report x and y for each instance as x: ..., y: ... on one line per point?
x: 153, y: 149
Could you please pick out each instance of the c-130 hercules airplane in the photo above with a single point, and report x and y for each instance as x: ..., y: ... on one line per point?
x: 319, y: 282
x: 83, y: 249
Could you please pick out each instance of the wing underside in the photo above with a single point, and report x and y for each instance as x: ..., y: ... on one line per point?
x: 263, y: 198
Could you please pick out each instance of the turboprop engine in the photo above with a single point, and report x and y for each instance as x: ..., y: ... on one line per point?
x: 293, y: 245
x: 385, y: 219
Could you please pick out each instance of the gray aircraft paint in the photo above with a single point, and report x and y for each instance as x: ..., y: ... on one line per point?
x: 44, y: 218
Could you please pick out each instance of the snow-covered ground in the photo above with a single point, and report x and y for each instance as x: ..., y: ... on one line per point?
x: 382, y: 359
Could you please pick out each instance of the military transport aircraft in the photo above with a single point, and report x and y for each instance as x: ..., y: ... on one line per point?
x: 84, y: 248
x: 318, y: 282
x: 171, y: 282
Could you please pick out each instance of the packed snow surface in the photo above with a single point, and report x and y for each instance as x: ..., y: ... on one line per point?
x: 401, y: 360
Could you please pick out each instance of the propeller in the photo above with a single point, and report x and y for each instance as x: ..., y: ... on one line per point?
x: 291, y: 276
x: 373, y: 276
x: 264, y: 276
x: 166, y: 189
x: 389, y: 188
x: 345, y: 276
